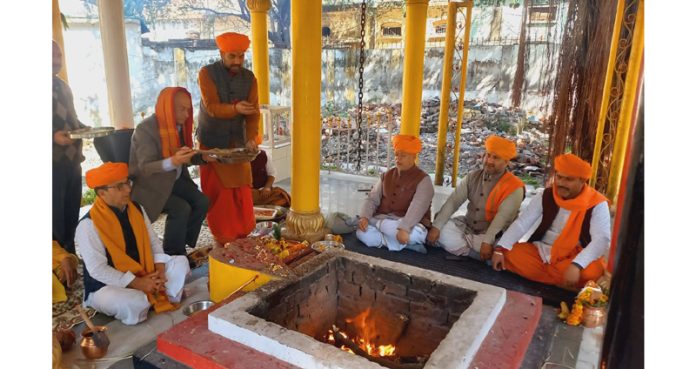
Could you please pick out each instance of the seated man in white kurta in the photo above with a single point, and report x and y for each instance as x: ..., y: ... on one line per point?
x: 126, y: 271
x: 396, y: 213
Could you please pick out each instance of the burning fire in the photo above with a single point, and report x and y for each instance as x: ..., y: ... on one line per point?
x: 367, y: 333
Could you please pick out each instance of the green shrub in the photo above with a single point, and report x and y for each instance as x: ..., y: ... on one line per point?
x: 88, y: 197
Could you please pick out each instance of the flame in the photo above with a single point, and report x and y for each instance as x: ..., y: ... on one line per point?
x: 367, y: 334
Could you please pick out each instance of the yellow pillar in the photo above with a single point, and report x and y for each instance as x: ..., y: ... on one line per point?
x: 113, y: 35
x: 462, y: 93
x: 305, y: 220
x: 606, y: 92
x: 628, y: 102
x: 259, y: 47
x: 416, y: 15
x: 58, y: 37
x: 445, y: 93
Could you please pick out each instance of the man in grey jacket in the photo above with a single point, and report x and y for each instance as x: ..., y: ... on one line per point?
x: 494, y: 196
x: 161, y: 150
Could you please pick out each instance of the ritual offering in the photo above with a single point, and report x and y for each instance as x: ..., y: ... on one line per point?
x: 287, y: 250
x: 252, y: 253
x: 90, y: 132
x: 232, y: 156
x: 321, y: 246
x: 589, y: 307
x: 264, y: 213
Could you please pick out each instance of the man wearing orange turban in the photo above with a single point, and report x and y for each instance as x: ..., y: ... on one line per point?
x: 160, y: 153
x: 567, y: 247
x: 126, y: 271
x: 494, y: 195
x: 228, y: 118
x: 396, y: 213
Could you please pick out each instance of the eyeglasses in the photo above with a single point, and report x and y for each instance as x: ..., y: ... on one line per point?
x: 120, y: 186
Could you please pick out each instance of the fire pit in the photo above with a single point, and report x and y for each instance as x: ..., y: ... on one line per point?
x: 344, y: 304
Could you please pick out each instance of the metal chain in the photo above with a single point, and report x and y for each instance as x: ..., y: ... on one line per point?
x: 359, y: 119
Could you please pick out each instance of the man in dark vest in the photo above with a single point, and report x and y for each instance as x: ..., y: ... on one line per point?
x: 160, y: 152
x: 494, y: 196
x: 263, y: 173
x: 67, y: 156
x: 228, y: 118
x: 126, y: 271
x: 568, y: 246
x: 396, y: 213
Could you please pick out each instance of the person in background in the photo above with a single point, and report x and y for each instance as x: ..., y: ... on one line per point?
x: 263, y: 174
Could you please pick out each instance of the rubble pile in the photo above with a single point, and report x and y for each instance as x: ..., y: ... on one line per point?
x: 339, y: 146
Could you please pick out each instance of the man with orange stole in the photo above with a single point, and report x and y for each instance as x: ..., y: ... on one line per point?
x: 228, y: 118
x: 567, y: 247
x: 494, y: 196
x: 396, y: 213
x: 160, y: 153
x: 126, y: 271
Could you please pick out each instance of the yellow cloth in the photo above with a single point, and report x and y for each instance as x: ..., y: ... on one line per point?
x: 106, y: 173
x: 59, y: 254
x: 232, y: 42
x: 407, y: 143
x: 505, y: 149
x: 111, y: 234
x: 572, y: 165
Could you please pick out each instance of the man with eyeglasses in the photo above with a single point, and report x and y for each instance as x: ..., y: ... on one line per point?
x: 396, y: 213
x: 160, y: 153
x: 125, y: 269
x: 573, y: 232
x: 493, y: 196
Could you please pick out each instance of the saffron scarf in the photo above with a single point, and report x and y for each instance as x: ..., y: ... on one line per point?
x: 166, y: 119
x: 570, y: 235
x: 506, y: 185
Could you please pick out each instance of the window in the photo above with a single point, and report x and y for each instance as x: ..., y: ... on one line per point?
x: 325, y: 31
x: 542, y: 14
x: 391, y: 31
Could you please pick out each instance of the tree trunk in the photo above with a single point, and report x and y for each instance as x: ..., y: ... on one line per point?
x: 518, y: 82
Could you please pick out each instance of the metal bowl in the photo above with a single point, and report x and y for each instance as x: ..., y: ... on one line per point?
x: 197, y: 306
x: 321, y: 246
x: 264, y: 228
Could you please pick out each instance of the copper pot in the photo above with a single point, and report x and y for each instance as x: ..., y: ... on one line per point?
x: 89, y: 348
x: 593, y: 316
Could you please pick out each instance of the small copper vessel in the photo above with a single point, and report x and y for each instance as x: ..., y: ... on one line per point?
x: 89, y: 348
x: 593, y: 317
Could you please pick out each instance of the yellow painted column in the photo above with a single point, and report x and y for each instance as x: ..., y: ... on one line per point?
x: 305, y: 220
x: 113, y: 35
x: 606, y: 92
x: 628, y: 102
x: 416, y: 16
x: 445, y: 93
x: 259, y: 47
x: 58, y: 37
x: 462, y: 93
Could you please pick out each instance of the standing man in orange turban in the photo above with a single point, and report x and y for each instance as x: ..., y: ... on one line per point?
x: 126, y: 271
x: 566, y: 248
x: 396, y: 213
x: 228, y: 118
x: 160, y: 152
x: 494, y: 196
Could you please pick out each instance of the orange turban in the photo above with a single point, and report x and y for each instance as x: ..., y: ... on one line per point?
x: 232, y: 42
x: 106, y: 173
x: 573, y: 166
x: 505, y: 149
x: 407, y: 143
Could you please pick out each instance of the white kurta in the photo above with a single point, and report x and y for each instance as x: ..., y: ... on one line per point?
x: 128, y: 305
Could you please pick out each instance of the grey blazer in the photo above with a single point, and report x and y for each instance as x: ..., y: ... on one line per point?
x: 152, y: 186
